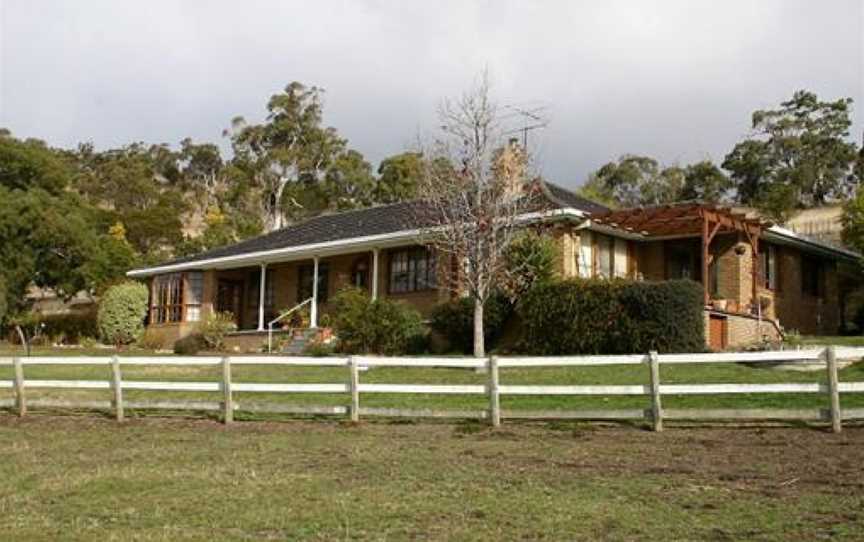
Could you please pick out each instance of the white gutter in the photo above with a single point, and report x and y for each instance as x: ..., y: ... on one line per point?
x: 612, y: 231
x: 783, y: 235
x: 300, y: 252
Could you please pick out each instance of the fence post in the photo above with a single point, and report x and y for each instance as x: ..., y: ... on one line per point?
x: 227, y: 400
x: 833, y: 389
x: 494, y: 396
x: 20, y: 399
x: 656, y: 404
x: 354, y: 388
x: 117, y: 385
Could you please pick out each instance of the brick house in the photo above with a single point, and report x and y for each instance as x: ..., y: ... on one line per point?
x: 758, y: 278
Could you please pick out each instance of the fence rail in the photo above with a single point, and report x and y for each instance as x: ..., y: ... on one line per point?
x: 654, y: 389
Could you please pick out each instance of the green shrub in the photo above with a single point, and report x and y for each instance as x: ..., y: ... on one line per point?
x: 318, y: 349
x: 189, y: 345
x: 214, y: 328
x: 379, y: 327
x: 151, y: 340
x: 667, y: 316
x: 858, y: 319
x: 582, y: 316
x: 531, y: 259
x: 69, y: 328
x: 454, y: 320
x: 121, y: 313
x: 4, y: 305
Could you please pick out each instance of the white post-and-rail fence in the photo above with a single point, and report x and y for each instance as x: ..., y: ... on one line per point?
x: 493, y: 388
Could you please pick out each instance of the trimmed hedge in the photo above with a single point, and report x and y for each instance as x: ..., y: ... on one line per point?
x: 584, y: 316
x: 121, y: 313
x: 454, y: 320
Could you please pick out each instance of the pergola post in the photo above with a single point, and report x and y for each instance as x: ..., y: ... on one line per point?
x: 313, y: 316
x: 374, y: 274
x: 261, y: 289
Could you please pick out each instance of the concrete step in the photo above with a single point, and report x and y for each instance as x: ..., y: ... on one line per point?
x: 298, y: 344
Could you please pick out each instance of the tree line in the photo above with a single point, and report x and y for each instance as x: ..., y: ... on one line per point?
x: 796, y: 156
x: 78, y: 219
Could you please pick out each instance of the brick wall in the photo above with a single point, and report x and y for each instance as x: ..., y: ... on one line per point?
x: 798, y: 310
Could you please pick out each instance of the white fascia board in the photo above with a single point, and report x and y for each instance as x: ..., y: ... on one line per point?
x: 782, y: 235
x: 281, y: 254
x: 339, y: 246
x: 612, y: 231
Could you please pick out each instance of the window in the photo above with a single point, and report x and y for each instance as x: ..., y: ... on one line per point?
x: 680, y: 262
x: 194, y: 295
x: 360, y: 273
x: 254, y: 296
x: 605, y: 265
x: 228, y: 297
x: 176, y: 297
x: 412, y: 270
x: 305, y: 274
x: 811, y: 276
x: 768, y: 267
x: 714, y: 276
x: 166, y: 299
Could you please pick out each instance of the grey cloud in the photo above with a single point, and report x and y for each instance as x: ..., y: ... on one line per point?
x: 673, y: 79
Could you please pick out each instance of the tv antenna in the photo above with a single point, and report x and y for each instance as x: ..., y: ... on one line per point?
x: 533, y: 118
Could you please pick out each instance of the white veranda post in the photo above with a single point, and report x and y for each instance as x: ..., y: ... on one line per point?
x: 313, y: 317
x: 261, y: 297
x: 374, y: 274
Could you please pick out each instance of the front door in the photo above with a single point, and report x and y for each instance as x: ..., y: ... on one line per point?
x: 717, y: 333
x: 228, y: 297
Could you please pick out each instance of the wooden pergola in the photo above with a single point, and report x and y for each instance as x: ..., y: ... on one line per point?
x: 689, y: 220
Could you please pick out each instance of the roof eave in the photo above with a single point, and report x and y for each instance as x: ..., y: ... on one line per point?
x: 783, y: 235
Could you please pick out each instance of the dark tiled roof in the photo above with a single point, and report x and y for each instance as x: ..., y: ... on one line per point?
x: 566, y: 198
x: 378, y: 220
x: 321, y: 229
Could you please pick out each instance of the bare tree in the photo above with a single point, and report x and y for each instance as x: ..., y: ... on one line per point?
x: 475, y: 194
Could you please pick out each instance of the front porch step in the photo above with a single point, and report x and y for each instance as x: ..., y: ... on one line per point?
x: 297, y: 344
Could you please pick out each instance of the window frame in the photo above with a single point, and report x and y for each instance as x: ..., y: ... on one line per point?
x: 306, y: 273
x: 767, y: 262
x: 599, y: 242
x: 411, y: 277
x: 170, y: 298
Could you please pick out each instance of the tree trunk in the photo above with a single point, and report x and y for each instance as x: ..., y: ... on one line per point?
x: 24, y: 342
x: 479, y: 346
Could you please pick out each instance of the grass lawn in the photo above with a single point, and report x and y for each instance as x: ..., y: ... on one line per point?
x: 678, y: 374
x: 854, y: 340
x: 89, y: 478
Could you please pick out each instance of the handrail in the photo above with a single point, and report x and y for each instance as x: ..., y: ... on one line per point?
x: 280, y: 317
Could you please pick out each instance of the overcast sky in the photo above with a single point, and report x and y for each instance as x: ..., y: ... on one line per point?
x: 676, y: 80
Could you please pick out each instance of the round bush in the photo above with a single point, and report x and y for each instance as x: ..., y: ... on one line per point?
x: 121, y: 313
x: 189, y: 345
x: 379, y: 327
